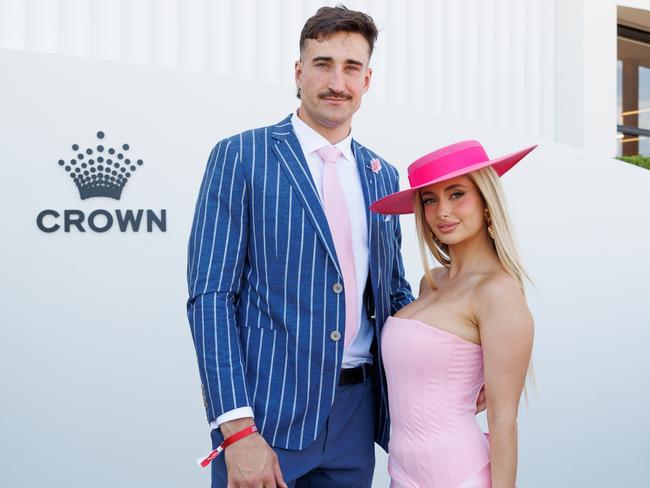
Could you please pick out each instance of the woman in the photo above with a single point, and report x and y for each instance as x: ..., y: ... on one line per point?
x: 469, y: 328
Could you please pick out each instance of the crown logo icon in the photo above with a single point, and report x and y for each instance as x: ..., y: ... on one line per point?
x: 99, y: 171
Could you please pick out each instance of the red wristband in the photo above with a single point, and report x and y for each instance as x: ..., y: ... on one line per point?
x: 203, y: 462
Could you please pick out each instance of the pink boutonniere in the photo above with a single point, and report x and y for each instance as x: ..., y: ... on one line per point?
x: 375, y: 165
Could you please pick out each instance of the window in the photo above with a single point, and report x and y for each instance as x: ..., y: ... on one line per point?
x: 633, y: 82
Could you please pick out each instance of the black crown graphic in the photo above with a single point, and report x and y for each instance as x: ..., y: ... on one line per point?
x: 100, y: 172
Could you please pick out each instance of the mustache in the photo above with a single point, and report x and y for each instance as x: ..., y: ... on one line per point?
x: 333, y: 94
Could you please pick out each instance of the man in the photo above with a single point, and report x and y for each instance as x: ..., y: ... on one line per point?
x: 291, y: 279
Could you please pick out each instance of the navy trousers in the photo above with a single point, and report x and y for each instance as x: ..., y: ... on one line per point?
x: 343, y: 454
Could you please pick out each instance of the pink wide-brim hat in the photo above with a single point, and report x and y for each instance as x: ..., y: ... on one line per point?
x: 443, y: 164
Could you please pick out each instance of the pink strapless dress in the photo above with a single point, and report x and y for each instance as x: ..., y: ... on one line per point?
x: 434, y: 378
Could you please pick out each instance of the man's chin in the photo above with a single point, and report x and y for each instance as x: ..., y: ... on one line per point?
x: 336, y: 116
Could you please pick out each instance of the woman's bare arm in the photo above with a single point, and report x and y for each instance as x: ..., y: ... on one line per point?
x: 506, y: 328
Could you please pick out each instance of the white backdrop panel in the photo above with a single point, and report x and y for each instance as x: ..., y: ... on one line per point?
x: 99, y: 385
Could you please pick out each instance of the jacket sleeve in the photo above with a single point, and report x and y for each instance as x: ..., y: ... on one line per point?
x: 400, y: 290
x: 216, y: 254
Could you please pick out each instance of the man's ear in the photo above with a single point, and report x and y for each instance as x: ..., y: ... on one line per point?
x: 366, y: 83
x: 297, y: 72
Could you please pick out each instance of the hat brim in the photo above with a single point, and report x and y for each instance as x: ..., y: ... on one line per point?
x: 401, y: 202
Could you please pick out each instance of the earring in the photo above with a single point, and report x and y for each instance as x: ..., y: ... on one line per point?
x: 488, y: 219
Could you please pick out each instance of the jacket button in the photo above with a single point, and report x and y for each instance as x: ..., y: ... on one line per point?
x: 337, y: 287
x: 335, y: 335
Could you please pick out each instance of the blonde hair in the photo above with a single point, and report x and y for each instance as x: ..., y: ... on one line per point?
x: 489, y: 185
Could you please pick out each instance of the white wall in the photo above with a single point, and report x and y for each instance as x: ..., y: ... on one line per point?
x: 641, y: 4
x: 540, y: 67
x: 98, y: 375
x: 99, y: 382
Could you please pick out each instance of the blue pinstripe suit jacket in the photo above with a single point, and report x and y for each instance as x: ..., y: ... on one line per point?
x: 261, y: 271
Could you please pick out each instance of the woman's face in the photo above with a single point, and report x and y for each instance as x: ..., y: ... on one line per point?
x: 454, y: 209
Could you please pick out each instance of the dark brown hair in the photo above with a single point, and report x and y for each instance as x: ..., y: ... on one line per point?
x: 330, y: 20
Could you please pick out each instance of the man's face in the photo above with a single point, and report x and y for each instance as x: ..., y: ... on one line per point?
x: 333, y: 75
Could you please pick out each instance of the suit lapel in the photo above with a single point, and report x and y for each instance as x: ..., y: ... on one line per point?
x: 369, y: 185
x: 292, y: 160
x: 360, y: 158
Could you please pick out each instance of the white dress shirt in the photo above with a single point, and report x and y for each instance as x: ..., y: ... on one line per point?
x: 358, y: 352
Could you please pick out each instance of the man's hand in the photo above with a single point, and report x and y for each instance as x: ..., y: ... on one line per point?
x: 481, y: 403
x: 250, y: 462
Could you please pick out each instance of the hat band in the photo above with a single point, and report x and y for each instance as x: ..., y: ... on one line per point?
x: 447, y: 164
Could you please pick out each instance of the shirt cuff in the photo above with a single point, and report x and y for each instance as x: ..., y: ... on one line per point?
x: 237, y: 413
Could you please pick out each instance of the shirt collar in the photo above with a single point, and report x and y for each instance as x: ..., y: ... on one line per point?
x: 311, y: 141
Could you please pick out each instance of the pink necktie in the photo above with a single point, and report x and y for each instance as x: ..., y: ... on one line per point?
x: 338, y: 219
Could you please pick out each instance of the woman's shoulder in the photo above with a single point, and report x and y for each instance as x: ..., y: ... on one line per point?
x: 500, y: 292
x: 498, y: 280
x: 498, y: 285
x: 437, y: 274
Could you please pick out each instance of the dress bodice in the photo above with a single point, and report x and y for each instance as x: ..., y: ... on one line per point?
x: 434, y: 378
